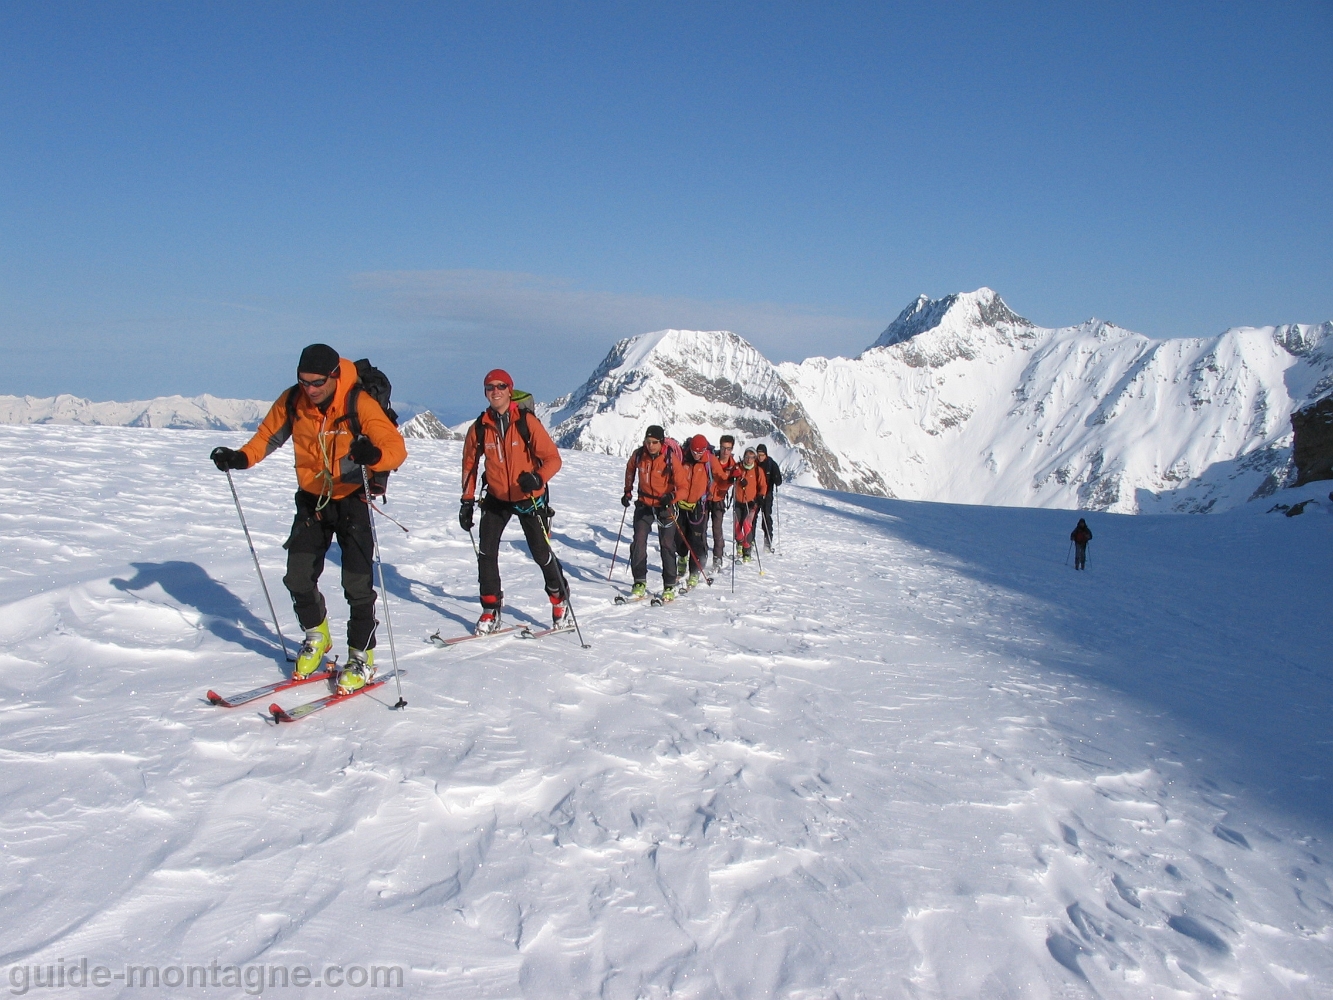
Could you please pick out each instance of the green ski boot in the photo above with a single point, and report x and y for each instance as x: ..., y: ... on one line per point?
x: 317, y: 643
x: 359, y: 672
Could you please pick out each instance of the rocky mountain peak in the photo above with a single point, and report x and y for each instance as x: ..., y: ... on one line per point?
x: 961, y: 312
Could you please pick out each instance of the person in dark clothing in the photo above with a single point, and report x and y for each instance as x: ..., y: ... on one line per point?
x: 773, y: 475
x: 1081, y: 536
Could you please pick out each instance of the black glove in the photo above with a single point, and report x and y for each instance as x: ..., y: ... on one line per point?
x: 624, y: 501
x: 668, y: 499
x: 742, y: 483
x: 363, y: 452
x: 465, y: 510
x: 228, y: 458
x: 529, y: 482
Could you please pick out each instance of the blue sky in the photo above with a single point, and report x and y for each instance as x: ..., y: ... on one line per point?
x: 191, y: 192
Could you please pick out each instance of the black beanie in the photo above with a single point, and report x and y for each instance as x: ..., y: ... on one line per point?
x: 656, y: 432
x: 318, y: 359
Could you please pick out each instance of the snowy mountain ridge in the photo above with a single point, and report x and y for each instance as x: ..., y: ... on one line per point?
x: 175, y: 412
x: 690, y: 381
x: 963, y: 400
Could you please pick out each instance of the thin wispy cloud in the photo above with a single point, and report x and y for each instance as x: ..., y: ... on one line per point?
x: 517, y: 306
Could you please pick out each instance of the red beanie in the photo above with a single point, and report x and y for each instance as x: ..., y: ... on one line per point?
x: 698, y: 443
x: 498, y: 375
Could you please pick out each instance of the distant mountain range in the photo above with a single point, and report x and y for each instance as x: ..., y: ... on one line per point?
x: 960, y: 399
x: 175, y: 412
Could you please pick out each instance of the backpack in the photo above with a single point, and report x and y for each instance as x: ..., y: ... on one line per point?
x: 374, y: 383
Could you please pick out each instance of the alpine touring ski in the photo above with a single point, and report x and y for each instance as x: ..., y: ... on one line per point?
x: 530, y: 633
x: 281, y: 714
x: 437, y: 640
x: 232, y: 700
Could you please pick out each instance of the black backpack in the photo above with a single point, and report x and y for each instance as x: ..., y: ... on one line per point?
x: 373, y: 382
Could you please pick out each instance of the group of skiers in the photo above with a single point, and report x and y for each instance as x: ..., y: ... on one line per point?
x: 685, y: 489
x: 346, y: 441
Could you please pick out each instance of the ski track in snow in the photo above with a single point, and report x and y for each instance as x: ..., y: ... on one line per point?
x: 916, y: 757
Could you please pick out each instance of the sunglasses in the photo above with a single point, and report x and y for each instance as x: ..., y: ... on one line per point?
x: 313, y: 383
x: 496, y: 387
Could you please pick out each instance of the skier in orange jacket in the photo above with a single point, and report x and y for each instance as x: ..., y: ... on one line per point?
x: 520, y: 458
x: 719, y: 497
x: 319, y: 415
x: 751, y: 485
x: 657, y: 468
x: 692, y: 508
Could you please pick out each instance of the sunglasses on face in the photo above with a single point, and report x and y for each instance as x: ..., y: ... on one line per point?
x: 313, y: 383
x: 496, y: 387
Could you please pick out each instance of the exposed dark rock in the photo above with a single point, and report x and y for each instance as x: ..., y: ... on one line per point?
x: 1312, y: 441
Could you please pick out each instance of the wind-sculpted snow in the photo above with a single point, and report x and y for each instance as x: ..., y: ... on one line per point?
x: 917, y: 757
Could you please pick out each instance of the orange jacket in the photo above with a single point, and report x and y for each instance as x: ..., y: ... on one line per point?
x: 508, y: 458
x: 654, y: 483
x: 723, y: 474
x: 320, y: 439
x: 694, y: 480
x: 751, y: 485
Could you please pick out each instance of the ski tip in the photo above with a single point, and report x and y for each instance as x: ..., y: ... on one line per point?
x: 279, y: 713
x: 214, y: 698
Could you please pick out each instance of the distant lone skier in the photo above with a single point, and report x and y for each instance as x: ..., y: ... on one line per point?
x: 1081, y: 536
x: 659, y: 476
x: 319, y: 414
x: 773, y: 476
x: 520, y: 459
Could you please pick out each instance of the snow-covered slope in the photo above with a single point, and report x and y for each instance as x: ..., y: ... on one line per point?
x: 692, y: 382
x: 177, y: 412
x: 917, y: 757
x: 963, y: 400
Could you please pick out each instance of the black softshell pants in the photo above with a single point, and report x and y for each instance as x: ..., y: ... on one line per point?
x: 1080, y: 555
x: 313, y: 531
x: 717, y: 512
x: 692, y: 530
x: 495, y: 517
x: 766, y: 516
x: 644, y: 518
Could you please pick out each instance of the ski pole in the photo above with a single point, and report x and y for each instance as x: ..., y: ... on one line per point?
x: 384, y: 593
x: 756, y: 552
x: 253, y: 555
x: 777, y: 525
x: 569, y: 601
x: 1069, y: 550
x: 616, y: 551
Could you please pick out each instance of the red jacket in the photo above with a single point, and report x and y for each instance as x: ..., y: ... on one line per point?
x: 694, y: 480
x: 751, y: 484
x: 320, y: 438
x: 723, y: 474
x: 508, y: 458
x: 657, y: 476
